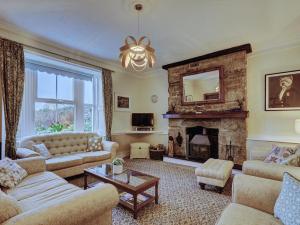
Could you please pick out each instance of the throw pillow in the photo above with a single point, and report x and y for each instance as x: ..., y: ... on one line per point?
x: 94, y: 144
x: 287, y: 206
x: 9, y: 207
x: 11, y: 173
x: 42, y: 150
x: 292, y: 160
x: 279, y: 154
x: 26, y: 153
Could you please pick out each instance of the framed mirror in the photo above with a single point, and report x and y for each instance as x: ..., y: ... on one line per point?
x: 202, y: 87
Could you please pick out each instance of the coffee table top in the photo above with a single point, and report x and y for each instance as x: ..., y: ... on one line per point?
x: 128, y: 179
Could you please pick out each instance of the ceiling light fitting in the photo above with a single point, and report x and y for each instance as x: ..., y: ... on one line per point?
x: 137, y: 54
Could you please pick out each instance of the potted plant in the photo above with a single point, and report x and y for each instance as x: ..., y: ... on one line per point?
x: 117, y: 164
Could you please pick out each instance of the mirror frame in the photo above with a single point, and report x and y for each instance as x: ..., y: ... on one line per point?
x: 221, y: 86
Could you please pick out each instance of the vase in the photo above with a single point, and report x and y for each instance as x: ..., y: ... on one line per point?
x: 117, y: 169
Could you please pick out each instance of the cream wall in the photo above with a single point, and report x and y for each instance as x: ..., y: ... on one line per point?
x: 270, y: 125
x: 141, y: 89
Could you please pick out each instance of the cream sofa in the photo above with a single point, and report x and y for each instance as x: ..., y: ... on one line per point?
x: 253, y: 201
x: 47, y: 199
x: 69, y: 151
x: 256, y: 167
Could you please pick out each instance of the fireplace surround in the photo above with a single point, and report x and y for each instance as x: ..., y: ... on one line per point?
x: 226, y: 120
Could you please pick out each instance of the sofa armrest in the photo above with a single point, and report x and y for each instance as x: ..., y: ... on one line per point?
x: 255, y: 192
x: 33, y: 164
x: 77, y: 209
x: 111, y: 146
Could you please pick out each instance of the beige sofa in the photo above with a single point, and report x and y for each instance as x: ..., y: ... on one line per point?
x: 253, y: 201
x: 69, y: 152
x: 256, y: 167
x: 47, y: 199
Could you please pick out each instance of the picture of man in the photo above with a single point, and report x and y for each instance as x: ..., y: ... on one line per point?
x: 284, y: 91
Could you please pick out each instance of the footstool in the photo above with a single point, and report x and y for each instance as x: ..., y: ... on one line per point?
x: 214, y: 172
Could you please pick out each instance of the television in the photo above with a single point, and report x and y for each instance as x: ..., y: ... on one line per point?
x: 142, y: 119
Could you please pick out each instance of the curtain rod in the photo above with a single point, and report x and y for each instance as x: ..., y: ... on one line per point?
x: 65, y: 58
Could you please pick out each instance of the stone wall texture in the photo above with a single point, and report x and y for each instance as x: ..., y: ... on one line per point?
x: 235, y: 82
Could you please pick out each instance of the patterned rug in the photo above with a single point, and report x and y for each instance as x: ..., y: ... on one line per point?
x: 181, y: 201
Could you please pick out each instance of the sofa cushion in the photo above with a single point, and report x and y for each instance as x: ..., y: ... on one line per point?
x: 42, y: 150
x: 26, y: 153
x: 9, y: 207
x: 236, y: 214
x: 279, y: 154
x: 94, y: 156
x: 287, y: 207
x: 10, y: 173
x: 272, y: 171
x: 50, y: 195
x: 62, y: 162
x: 35, y: 184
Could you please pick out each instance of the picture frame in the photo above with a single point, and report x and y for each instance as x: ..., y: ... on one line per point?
x: 282, y: 91
x: 122, y: 103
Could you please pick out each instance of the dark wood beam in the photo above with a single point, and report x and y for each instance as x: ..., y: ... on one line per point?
x: 245, y: 47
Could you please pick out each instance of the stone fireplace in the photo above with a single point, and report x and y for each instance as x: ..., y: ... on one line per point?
x: 223, y: 123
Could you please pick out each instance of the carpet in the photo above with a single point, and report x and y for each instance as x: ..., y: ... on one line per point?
x: 181, y: 201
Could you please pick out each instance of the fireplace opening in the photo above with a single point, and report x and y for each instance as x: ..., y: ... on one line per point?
x: 202, y: 143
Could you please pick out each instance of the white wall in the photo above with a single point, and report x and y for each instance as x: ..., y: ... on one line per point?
x: 270, y: 125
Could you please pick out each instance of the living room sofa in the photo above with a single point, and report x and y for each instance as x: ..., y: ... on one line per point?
x: 69, y: 152
x: 253, y: 201
x: 256, y: 166
x: 45, y: 198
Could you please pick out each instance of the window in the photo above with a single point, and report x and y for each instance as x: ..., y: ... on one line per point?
x: 59, y: 96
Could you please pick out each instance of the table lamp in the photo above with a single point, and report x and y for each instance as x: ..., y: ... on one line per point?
x: 297, y: 126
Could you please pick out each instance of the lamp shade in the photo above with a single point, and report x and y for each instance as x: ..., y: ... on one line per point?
x: 297, y: 126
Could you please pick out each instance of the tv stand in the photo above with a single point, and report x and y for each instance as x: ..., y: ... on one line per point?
x: 144, y: 128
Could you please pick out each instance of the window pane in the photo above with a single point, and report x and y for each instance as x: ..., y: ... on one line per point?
x: 46, y: 85
x: 45, y: 116
x: 65, y: 88
x: 88, y: 92
x: 88, y: 118
x: 65, y: 117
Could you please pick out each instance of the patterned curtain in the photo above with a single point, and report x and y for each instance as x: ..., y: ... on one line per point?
x: 108, y: 101
x: 12, y: 85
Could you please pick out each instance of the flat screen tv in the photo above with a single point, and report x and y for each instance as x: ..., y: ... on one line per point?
x: 142, y: 120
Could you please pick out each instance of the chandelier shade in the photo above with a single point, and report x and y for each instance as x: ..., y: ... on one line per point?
x: 137, y: 54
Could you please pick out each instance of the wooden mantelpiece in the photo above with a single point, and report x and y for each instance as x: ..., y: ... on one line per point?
x: 209, y: 115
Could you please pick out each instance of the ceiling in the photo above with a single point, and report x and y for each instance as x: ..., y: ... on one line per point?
x: 178, y: 29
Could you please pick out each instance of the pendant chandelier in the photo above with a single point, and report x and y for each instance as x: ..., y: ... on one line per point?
x: 137, y: 54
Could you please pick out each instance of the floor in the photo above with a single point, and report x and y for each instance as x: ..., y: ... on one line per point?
x: 181, y: 201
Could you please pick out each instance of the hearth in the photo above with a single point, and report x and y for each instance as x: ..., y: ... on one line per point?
x: 201, y: 143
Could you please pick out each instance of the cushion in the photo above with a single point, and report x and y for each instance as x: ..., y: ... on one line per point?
x: 94, y: 156
x: 94, y: 144
x: 236, y: 214
x: 62, y: 162
x: 279, y: 154
x: 9, y: 207
x: 287, y: 206
x: 26, y: 153
x: 10, y: 173
x: 272, y: 171
x: 292, y: 160
x: 42, y: 150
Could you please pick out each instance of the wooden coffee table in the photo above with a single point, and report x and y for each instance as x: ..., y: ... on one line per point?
x: 130, y: 184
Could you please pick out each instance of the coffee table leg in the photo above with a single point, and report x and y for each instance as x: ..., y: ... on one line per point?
x: 156, y: 193
x: 134, y: 206
x: 85, y: 181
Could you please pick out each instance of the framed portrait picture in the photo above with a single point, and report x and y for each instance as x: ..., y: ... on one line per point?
x: 122, y: 103
x: 282, y: 91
